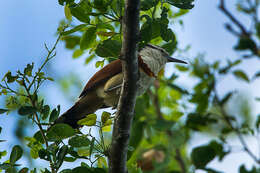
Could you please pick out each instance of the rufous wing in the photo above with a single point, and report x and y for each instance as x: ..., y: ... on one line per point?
x: 102, y: 76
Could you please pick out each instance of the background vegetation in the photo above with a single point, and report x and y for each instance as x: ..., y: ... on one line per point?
x: 167, y: 116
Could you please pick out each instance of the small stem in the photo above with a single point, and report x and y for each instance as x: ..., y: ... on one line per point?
x: 11, y: 90
x: 222, y: 7
x: 49, y: 57
x: 235, y: 129
x: 179, y: 159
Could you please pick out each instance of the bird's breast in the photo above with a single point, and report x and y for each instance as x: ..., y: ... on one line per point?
x: 144, y: 82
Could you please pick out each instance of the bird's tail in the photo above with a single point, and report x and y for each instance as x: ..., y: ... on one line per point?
x: 70, y: 117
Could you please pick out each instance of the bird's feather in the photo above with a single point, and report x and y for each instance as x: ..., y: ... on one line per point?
x: 102, y: 75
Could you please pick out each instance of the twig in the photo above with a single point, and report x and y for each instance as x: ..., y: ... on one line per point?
x: 235, y: 129
x: 156, y: 103
x: 179, y: 159
x: 11, y: 90
x: 48, y: 57
x: 222, y: 7
x: 39, y: 125
x: 122, y: 123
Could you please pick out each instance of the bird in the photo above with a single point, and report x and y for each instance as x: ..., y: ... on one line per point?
x: 103, y: 88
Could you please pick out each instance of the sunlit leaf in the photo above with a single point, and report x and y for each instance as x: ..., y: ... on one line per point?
x: 81, y: 11
x: 106, y: 128
x: 105, y: 116
x: 90, y: 120
x: 241, y: 75
x: 77, y: 53
x: 75, y: 29
x: 88, y: 38
x: 67, y: 12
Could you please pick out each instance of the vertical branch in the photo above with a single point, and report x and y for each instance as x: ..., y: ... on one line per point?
x: 125, y: 113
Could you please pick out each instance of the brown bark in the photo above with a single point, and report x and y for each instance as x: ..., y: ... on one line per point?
x: 125, y: 111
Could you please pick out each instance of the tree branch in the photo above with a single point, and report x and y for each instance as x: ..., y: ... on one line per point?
x: 222, y: 7
x: 125, y: 113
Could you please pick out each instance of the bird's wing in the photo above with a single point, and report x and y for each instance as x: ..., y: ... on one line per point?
x: 102, y: 75
x: 114, y: 83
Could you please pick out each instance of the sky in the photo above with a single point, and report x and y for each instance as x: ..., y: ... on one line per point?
x: 26, y: 25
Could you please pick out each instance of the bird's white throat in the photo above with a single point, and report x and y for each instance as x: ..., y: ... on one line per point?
x: 153, y: 59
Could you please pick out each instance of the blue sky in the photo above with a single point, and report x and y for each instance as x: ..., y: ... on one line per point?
x: 26, y: 25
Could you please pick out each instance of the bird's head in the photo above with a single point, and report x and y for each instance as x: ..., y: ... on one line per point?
x: 158, y: 52
x: 156, y: 57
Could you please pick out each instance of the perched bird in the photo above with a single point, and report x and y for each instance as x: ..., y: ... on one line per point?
x: 103, y: 89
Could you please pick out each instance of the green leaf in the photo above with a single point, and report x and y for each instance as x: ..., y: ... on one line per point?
x: 38, y: 137
x: 45, y: 112
x: 241, y: 75
x: 61, y: 2
x: 90, y: 120
x: 167, y: 34
x: 257, y: 123
x: 79, y: 141
x: 75, y: 29
x: 81, y: 11
x: 246, y: 43
x: 202, y: 155
x: 146, y: 32
x: 67, y: 12
x: 77, y: 53
x: 26, y: 110
x: 2, y: 111
x: 9, y: 77
x: 2, y: 154
x: 99, y: 64
x: 16, y: 154
x: 163, y: 125
x: 59, y: 132
x: 82, y: 169
x: 61, y: 155
x: 100, y: 5
x: 183, y: 4
x: 256, y: 75
x: 182, y: 68
x: 88, y: 38
x: 195, y: 121
x: 71, y: 41
x: 147, y: 4
x: 54, y: 114
x: 258, y: 30
x: 105, y: 116
x: 170, y: 47
x: 28, y: 69
x: 242, y: 169
x: 66, y: 171
x: 108, y: 48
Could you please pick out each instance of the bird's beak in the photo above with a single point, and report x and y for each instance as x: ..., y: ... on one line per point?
x: 171, y: 59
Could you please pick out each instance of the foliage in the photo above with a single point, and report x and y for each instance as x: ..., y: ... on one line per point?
x: 166, y: 116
